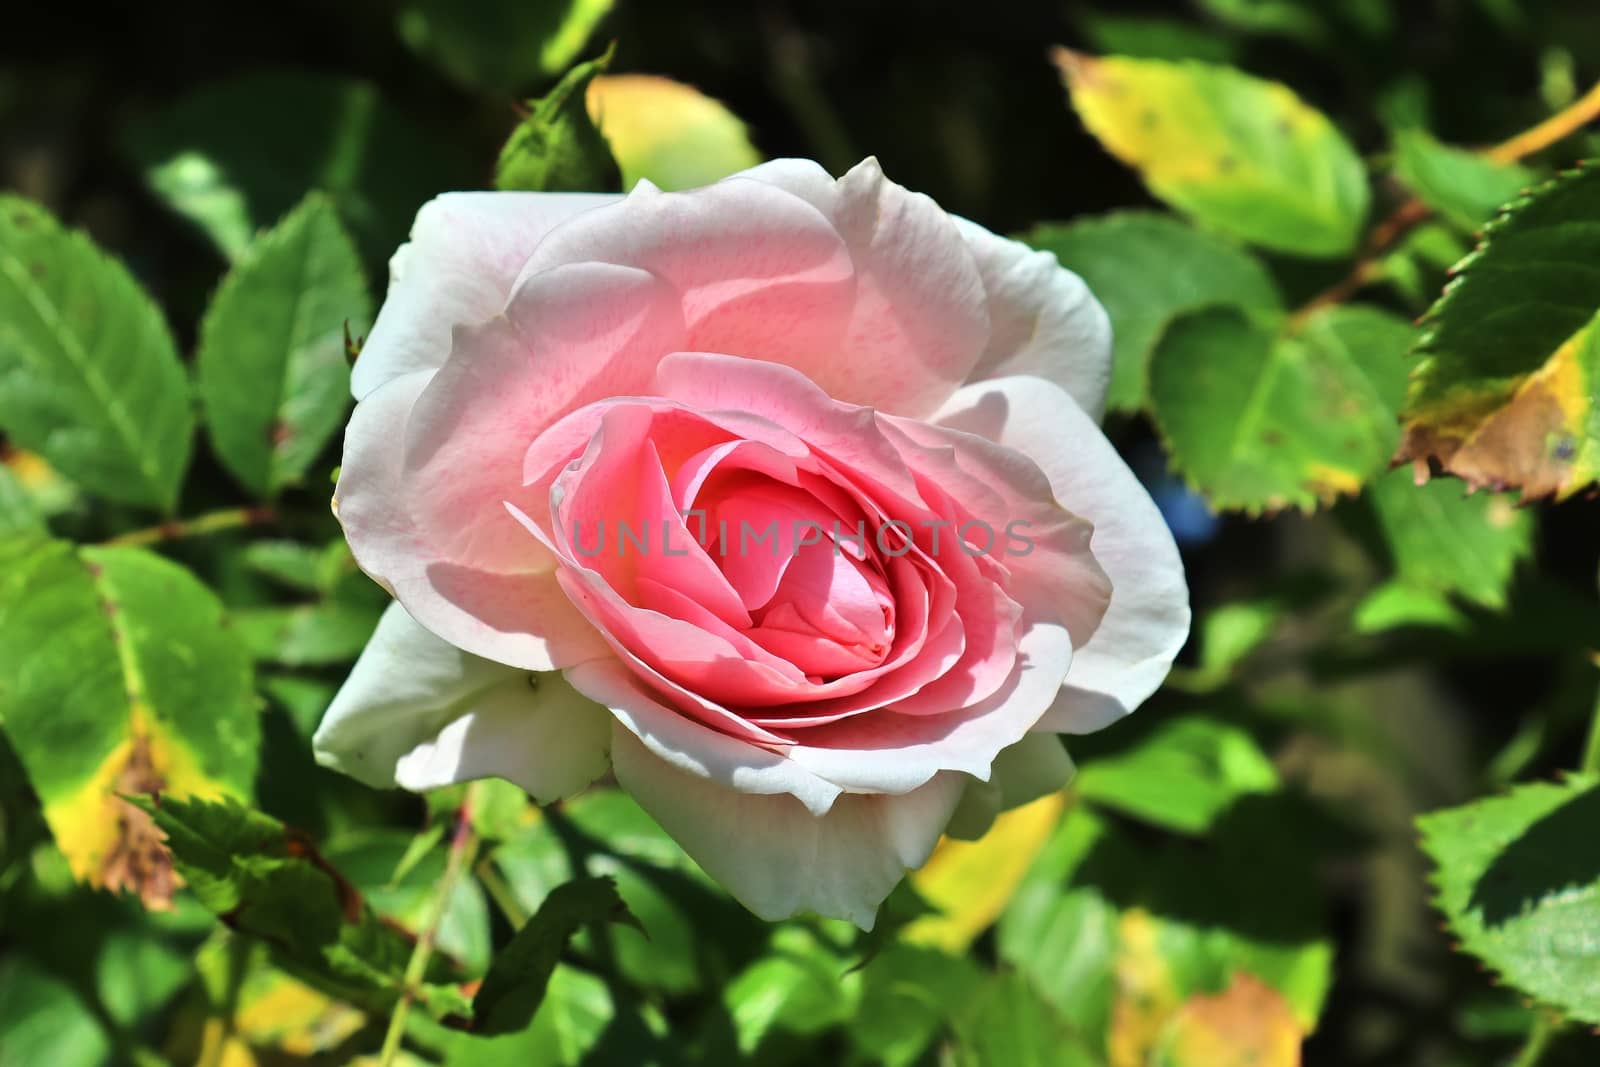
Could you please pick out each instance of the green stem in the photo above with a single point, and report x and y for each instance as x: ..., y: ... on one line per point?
x: 1545, y: 1028
x: 501, y: 894
x: 463, y: 849
x: 211, y: 522
x: 1591, y: 748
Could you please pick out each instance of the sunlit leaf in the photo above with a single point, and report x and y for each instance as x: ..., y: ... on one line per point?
x: 306, y: 634
x: 908, y: 996
x: 1009, y: 1022
x: 1396, y: 604
x: 667, y: 132
x: 1465, y: 187
x: 1445, y: 540
x: 119, y: 676
x: 89, y: 375
x: 45, y: 1022
x: 557, y: 148
x: 1520, y: 887
x: 1261, y: 418
x: 1183, y: 775
x: 1504, y: 395
x: 1241, y: 154
x: 1147, y: 269
x: 1117, y: 934
x: 802, y: 986
x: 274, y: 380
x: 969, y: 883
x: 1247, y: 1025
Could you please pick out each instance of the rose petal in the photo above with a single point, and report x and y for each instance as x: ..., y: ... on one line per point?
x: 535, y: 731
x: 419, y: 712
x: 518, y: 618
x: 1044, y: 320
x: 1147, y: 621
x: 890, y: 753
x: 465, y: 252
x: 776, y: 857
x: 568, y: 337
x: 695, y: 749
x: 920, y: 321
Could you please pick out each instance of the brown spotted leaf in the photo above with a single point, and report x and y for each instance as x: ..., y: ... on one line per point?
x: 118, y: 676
x: 1236, y: 153
x: 1505, y: 395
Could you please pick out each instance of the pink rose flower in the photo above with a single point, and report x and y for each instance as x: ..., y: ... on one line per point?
x: 782, y: 499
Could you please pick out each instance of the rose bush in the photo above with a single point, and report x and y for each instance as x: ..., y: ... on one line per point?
x: 783, y: 499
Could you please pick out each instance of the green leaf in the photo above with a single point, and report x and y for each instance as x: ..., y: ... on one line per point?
x: 268, y: 882
x: 557, y: 147
x: 500, y: 46
x: 668, y: 133
x: 1182, y: 776
x: 1099, y: 907
x: 1504, y: 395
x: 1260, y: 419
x: 402, y: 888
x: 1464, y: 187
x: 44, y: 1022
x: 18, y: 513
x: 1153, y: 37
x: 576, y: 1014
x: 1237, y: 153
x: 693, y: 934
x: 306, y: 635
x: 119, y: 675
x: 274, y: 382
x: 1519, y: 885
x: 1247, y: 1025
x: 802, y: 986
x: 291, y: 563
x: 516, y: 982
x: 1009, y: 1022
x: 1444, y: 540
x: 236, y: 155
x: 909, y: 995
x: 89, y: 377
x: 1147, y: 269
x: 1393, y: 605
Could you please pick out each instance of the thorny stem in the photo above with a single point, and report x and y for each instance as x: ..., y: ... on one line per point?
x: 211, y: 522
x: 463, y: 849
x: 1368, y: 267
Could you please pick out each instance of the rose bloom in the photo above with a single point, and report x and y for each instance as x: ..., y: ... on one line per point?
x: 783, y: 500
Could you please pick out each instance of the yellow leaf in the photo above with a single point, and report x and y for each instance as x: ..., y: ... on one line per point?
x: 1238, y: 153
x: 1247, y: 1025
x: 1147, y: 993
x: 971, y: 882
x: 1538, y: 439
x: 667, y: 132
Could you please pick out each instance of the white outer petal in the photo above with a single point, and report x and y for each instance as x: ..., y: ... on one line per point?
x: 465, y: 252
x: 697, y: 750
x: 418, y: 712
x: 1044, y: 321
x: 1147, y: 622
x: 776, y: 857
